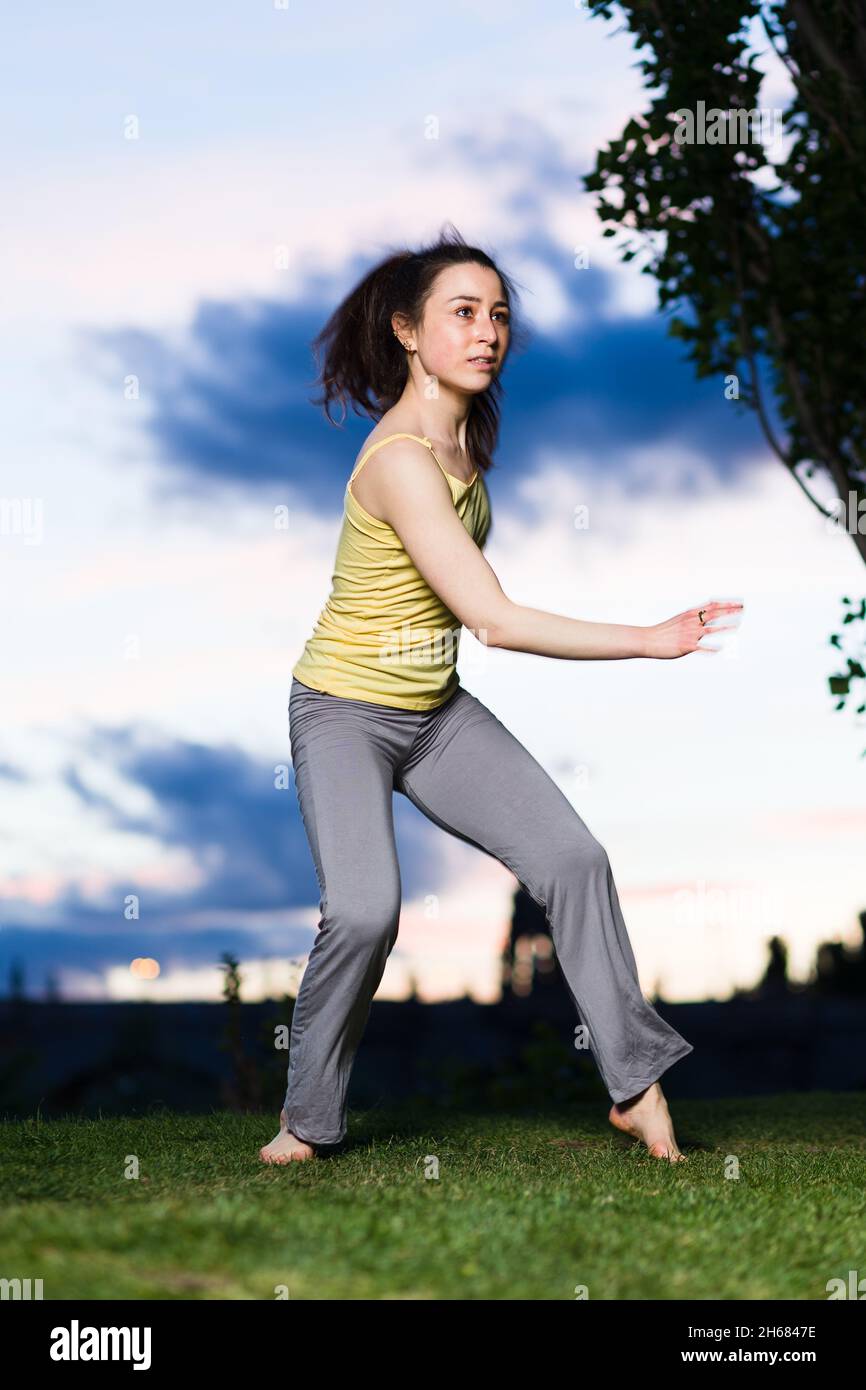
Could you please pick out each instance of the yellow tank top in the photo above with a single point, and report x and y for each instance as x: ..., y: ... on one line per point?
x: 384, y: 635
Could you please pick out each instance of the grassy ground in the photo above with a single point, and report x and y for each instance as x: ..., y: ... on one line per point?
x: 523, y: 1208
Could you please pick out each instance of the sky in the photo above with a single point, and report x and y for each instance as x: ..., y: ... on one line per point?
x: 189, y: 194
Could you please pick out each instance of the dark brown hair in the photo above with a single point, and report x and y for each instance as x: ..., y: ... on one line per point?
x: 362, y: 362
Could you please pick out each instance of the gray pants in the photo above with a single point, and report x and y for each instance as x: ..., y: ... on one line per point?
x: 463, y: 769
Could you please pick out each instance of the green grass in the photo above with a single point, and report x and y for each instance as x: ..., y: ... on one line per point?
x: 524, y: 1208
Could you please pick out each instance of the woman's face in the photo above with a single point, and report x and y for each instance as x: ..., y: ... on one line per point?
x: 466, y: 317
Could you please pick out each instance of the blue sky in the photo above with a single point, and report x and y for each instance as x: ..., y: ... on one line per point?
x: 162, y: 293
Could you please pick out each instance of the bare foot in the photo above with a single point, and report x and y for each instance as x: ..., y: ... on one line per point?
x: 286, y: 1147
x: 646, y: 1117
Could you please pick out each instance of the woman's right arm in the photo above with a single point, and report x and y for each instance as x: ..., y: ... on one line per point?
x: 412, y: 496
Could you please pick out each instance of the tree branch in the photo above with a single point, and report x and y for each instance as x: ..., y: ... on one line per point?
x: 807, y: 90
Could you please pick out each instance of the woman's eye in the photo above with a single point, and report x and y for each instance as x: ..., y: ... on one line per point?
x: 499, y: 313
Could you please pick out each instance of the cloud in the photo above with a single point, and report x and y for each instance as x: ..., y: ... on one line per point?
x: 219, y: 805
x: 253, y: 888
x: 233, y: 401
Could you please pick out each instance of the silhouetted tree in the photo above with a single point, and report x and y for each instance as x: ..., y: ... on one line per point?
x: 839, y: 971
x: 765, y: 256
x: 17, y: 992
x: 242, y: 1090
x: 774, y: 981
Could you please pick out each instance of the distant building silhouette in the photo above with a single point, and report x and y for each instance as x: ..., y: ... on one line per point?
x: 528, y: 960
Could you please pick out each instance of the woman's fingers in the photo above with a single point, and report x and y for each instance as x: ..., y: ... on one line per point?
x: 718, y: 607
x: 729, y: 627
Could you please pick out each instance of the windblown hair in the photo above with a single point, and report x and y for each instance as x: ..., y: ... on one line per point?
x: 361, y: 360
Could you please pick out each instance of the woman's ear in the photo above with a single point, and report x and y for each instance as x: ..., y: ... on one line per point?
x: 402, y: 331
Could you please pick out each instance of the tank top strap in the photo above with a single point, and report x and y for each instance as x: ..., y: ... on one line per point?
x: 422, y: 439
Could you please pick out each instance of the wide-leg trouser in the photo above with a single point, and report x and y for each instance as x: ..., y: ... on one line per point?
x: 466, y: 772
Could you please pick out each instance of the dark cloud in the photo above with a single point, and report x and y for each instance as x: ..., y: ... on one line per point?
x: 244, y: 834
x: 219, y: 805
x: 234, y: 403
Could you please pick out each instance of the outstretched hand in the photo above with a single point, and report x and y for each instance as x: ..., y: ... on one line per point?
x: 680, y: 635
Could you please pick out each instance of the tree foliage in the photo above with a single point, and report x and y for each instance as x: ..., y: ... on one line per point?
x: 763, y: 262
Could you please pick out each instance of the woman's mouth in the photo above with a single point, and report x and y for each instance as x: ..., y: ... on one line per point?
x: 486, y: 363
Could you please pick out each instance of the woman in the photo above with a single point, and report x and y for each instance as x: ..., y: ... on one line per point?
x: 376, y: 704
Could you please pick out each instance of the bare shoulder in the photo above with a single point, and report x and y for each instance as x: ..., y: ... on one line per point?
x: 396, y: 436
x: 395, y: 460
